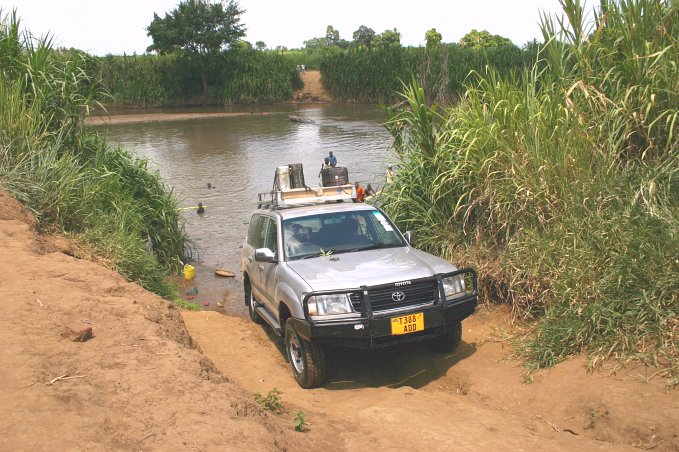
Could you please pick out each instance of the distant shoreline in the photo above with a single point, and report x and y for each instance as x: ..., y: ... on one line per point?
x: 158, y: 117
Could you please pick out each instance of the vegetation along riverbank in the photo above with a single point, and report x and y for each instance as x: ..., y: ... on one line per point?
x: 562, y: 185
x: 118, y: 210
x: 554, y: 174
x: 204, y: 64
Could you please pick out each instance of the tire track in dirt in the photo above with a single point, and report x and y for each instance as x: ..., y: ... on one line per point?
x: 402, y: 397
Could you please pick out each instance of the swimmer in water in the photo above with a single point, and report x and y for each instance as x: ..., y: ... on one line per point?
x: 201, y: 209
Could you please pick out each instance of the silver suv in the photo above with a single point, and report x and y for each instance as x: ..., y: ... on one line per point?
x: 341, y: 274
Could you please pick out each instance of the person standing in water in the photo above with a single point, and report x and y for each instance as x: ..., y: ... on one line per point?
x: 369, y: 191
x: 360, y: 193
x: 390, y: 173
x: 325, y: 165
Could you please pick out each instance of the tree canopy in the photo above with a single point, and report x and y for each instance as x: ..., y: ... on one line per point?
x: 331, y: 39
x: 387, y: 38
x: 433, y: 38
x: 332, y: 36
x: 197, y: 26
x: 363, y: 36
x: 479, y: 39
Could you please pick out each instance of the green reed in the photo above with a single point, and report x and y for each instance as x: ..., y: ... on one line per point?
x: 370, y: 75
x: 240, y: 76
x: 560, y: 184
x: 73, y: 181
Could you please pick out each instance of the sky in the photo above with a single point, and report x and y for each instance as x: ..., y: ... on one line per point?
x: 116, y: 27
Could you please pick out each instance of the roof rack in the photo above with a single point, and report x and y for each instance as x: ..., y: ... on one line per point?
x: 301, y: 196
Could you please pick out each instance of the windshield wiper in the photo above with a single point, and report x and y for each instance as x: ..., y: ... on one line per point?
x: 319, y: 254
x: 373, y: 246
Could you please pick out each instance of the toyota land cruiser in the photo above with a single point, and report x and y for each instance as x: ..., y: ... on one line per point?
x: 323, y: 272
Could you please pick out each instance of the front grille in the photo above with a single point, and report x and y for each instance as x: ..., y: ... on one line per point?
x: 382, y: 299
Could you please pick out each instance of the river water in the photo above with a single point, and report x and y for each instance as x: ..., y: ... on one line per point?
x: 238, y: 156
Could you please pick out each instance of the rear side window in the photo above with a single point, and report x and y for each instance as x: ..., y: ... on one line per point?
x: 270, y: 239
x: 255, y: 231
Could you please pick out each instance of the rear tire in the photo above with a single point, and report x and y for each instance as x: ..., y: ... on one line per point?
x: 307, y: 359
x: 449, y: 340
x: 251, y: 302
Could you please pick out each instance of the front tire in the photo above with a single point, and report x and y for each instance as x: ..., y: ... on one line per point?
x: 251, y: 302
x: 449, y: 340
x: 307, y: 359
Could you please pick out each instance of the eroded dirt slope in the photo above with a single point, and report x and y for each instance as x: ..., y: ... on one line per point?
x: 136, y: 385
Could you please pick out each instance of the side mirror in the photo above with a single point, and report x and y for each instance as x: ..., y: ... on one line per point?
x: 264, y: 255
x: 411, y: 237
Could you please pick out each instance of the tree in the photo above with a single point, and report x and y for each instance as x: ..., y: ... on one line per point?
x: 332, y: 36
x: 388, y: 38
x: 480, y: 39
x: 315, y: 43
x: 433, y: 38
x: 261, y: 45
x: 363, y: 36
x: 331, y: 39
x: 198, y: 28
x: 242, y: 45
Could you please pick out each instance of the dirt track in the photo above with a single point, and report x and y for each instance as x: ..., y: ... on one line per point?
x: 142, y: 385
x: 473, y: 399
x: 313, y: 88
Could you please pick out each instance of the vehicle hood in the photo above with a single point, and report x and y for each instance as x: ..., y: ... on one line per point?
x: 373, y: 267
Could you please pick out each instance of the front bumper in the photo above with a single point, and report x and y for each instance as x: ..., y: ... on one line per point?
x: 373, y: 329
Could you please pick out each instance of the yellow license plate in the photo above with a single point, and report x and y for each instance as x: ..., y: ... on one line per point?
x: 407, y: 324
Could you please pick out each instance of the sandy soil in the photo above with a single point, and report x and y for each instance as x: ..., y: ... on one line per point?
x: 156, y: 117
x: 311, y: 92
x: 143, y: 383
x: 313, y: 88
x: 472, y: 399
x: 138, y: 384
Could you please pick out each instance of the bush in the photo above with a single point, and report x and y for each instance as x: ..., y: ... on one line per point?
x: 560, y: 184
x: 239, y: 76
x: 70, y: 177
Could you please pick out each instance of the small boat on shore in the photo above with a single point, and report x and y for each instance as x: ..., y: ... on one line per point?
x: 224, y: 273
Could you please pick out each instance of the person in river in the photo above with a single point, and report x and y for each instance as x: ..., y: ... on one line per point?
x: 201, y: 209
x: 360, y: 193
x: 325, y: 165
x: 332, y: 159
x: 390, y: 173
x: 369, y: 191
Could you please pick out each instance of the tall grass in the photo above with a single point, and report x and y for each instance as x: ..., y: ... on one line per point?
x: 240, y: 76
x: 374, y: 75
x: 246, y: 76
x: 561, y: 184
x: 70, y: 177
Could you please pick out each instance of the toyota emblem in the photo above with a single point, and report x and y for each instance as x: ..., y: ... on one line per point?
x: 398, y: 296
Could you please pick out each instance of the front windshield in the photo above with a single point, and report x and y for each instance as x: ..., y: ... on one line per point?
x: 338, y: 232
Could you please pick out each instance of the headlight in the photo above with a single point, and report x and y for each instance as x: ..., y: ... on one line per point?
x: 453, y: 286
x: 329, y: 304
